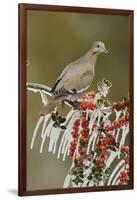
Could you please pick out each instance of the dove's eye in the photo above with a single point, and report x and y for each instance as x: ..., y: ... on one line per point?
x: 98, y: 46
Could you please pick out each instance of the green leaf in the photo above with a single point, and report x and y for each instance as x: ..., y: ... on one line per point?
x: 86, y: 167
x: 63, y: 120
x: 93, y: 170
x: 98, y: 178
x: 90, y: 177
x: 99, y: 170
x: 73, y: 171
x: 75, y: 161
x: 63, y: 127
x: 107, y: 171
x: 55, y: 125
x: 81, y: 181
x: 88, y: 183
x: 92, y: 153
x: 59, y: 119
x: 77, y: 180
x: 81, y: 176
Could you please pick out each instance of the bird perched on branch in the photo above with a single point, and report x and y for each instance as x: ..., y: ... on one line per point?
x: 75, y: 79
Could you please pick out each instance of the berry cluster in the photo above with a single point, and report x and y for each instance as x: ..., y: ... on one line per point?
x: 100, y: 160
x: 117, y: 123
x: 123, y: 177
x: 74, y: 134
x: 121, y: 105
x: 125, y: 149
x: 105, y: 141
x: 101, y: 148
x: 84, y: 105
x: 83, y: 134
x: 87, y: 101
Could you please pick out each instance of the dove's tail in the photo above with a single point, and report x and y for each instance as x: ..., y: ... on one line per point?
x: 51, y: 105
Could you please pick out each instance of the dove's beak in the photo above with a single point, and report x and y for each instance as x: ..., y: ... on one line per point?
x: 106, y: 51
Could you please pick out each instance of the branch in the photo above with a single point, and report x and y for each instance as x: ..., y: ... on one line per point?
x: 35, y: 87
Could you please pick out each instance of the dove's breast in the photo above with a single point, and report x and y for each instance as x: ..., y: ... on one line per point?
x: 75, y: 78
x: 79, y: 80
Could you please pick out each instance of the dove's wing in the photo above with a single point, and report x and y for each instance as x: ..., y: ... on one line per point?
x: 75, y: 78
x: 60, y: 78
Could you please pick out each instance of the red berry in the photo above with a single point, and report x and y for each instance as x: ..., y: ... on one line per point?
x: 82, y: 139
x: 86, y: 140
x: 75, y: 127
x: 82, y: 132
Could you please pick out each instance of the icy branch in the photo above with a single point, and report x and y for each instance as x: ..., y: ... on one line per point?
x: 97, y: 110
x: 35, y: 87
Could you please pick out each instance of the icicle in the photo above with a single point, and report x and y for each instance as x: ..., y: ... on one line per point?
x: 66, y: 132
x: 117, y: 176
x: 99, y: 118
x: 60, y: 146
x: 105, y: 118
x: 68, y: 153
x: 96, y: 97
x: 87, y: 113
x: 101, y: 183
x: 67, y: 181
x: 70, y: 114
x: 95, y: 141
x: 92, y: 119
x: 66, y: 140
x: 56, y: 140
x: 118, y: 113
x: 46, y: 134
x: 117, y: 134
x: 125, y: 130
x: 90, y: 141
x: 46, y: 118
x: 43, y: 98
x: 68, y: 176
x: 49, y: 127
x: 117, y: 182
x: 68, y: 117
x: 125, y: 133
x: 86, y: 174
x: 120, y: 164
x: 91, y: 183
x: 65, y: 151
x: 35, y: 131
x: 111, y: 158
x: 52, y: 138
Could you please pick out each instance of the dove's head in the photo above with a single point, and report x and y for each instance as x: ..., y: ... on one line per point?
x: 99, y: 47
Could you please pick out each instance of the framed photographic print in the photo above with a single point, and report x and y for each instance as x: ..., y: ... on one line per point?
x: 75, y: 99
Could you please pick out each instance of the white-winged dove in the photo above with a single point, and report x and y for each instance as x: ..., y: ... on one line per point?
x: 76, y: 78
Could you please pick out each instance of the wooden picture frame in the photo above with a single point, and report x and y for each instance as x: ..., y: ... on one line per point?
x: 22, y: 153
